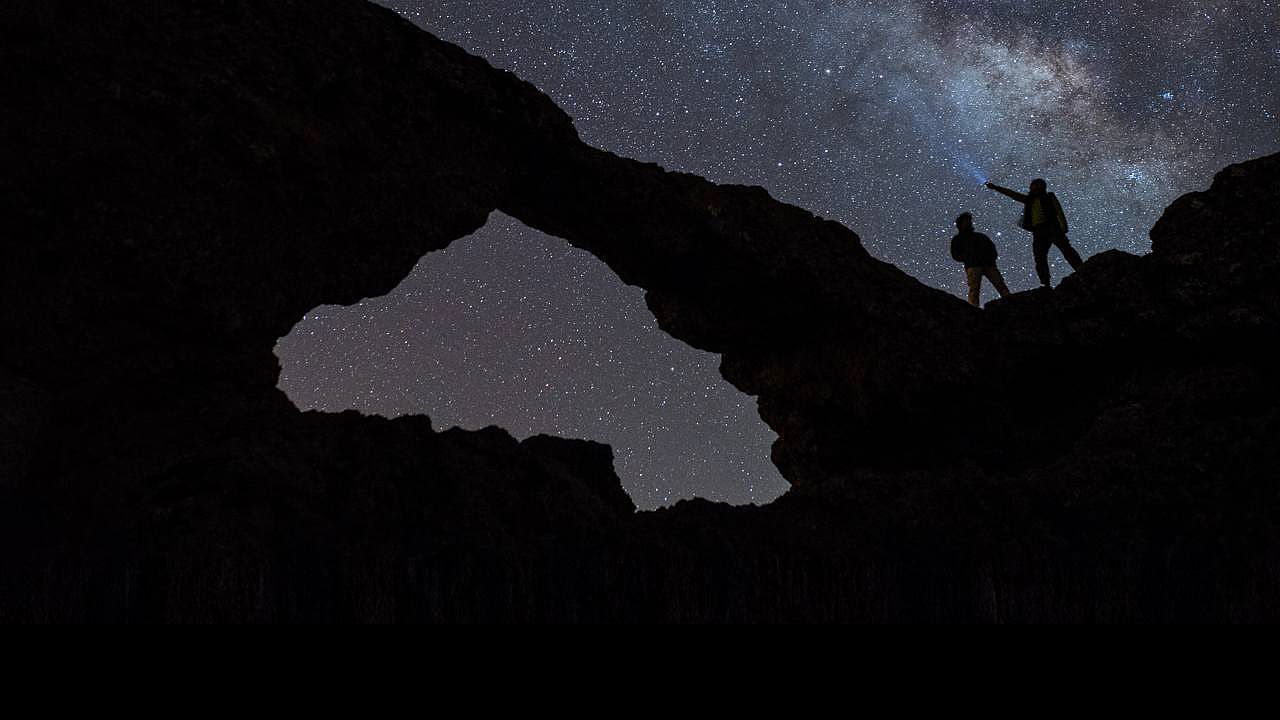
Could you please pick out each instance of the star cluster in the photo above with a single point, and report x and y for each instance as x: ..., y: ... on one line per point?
x: 884, y: 115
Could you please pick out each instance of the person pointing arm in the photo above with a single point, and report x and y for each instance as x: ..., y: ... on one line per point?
x: 1006, y: 191
x: 1043, y: 217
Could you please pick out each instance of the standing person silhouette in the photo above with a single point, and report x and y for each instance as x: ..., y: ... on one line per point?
x: 1042, y: 215
x: 978, y: 254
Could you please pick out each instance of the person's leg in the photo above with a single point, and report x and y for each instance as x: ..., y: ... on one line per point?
x: 997, y: 281
x: 974, y: 277
x: 1068, y: 252
x: 1040, y: 248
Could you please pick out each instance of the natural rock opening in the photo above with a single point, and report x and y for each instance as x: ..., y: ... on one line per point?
x: 514, y: 328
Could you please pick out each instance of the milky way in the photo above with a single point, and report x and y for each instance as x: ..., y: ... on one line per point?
x: 886, y: 116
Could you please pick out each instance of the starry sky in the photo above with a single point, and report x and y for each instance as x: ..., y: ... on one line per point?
x: 886, y: 115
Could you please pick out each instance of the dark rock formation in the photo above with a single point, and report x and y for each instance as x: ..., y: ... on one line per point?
x: 185, y: 180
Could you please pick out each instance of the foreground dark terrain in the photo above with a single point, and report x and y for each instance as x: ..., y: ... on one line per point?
x: 184, y: 181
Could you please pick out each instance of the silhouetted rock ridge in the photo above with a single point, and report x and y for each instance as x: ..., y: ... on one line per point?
x: 185, y: 181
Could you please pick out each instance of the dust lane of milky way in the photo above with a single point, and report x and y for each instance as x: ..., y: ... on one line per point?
x: 886, y: 116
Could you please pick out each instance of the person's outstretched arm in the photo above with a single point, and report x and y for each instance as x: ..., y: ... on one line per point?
x: 1006, y: 191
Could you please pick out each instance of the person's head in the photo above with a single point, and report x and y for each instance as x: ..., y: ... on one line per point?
x: 1039, y: 186
x: 964, y: 221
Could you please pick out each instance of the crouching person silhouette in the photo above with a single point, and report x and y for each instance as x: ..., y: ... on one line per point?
x: 978, y: 254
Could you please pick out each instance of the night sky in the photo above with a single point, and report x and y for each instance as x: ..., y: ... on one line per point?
x: 886, y: 116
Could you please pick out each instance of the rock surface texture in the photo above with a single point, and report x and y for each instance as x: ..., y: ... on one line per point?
x: 184, y: 181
